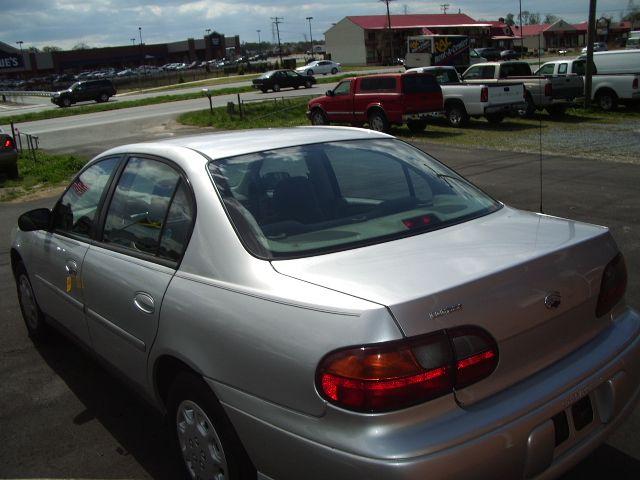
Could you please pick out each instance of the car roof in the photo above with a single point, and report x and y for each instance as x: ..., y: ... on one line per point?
x: 216, y: 145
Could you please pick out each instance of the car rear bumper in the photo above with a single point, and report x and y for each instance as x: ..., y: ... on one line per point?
x: 421, y: 115
x: 509, y: 435
x: 8, y: 158
x: 510, y: 108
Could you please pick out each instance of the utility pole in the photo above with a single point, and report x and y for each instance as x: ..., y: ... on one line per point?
x: 591, y: 34
x: 311, y: 37
x: 133, y: 41
x: 521, y: 32
x: 141, y: 50
x: 389, y: 31
x: 277, y: 21
x: 207, y: 31
x: 259, y: 42
x: 444, y: 7
x: 20, y: 42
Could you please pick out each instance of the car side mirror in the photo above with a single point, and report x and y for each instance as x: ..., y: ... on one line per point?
x: 330, y: 93
x: 38, y: 219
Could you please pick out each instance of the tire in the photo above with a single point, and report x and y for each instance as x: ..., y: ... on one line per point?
x: 530, y: 108
x: 607, y: 100
x: 494, y: 118
x: 12, y: 171
x: 65, y: 102
x: 264, y: 90
x: 308, y: 84
x: 103, y: 98
x: 31, y: 314
x: 310, y: 72
x: 457, y: 115
x: 378, y: 121
x: 334, y: 70
x: 416, y: 126
x: 276, y: 87
x: 203, y: 434
x: 557, y: 111
x: 318, y: 117
x: 296, y: 87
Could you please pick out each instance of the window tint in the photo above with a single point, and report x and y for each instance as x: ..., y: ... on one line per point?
x: 178, y: 225
x: 76, y: 211
x: 515, y: 70
x: 548, y: 69
x: 420, y: 83
x: 378, y: 84
x: 343, y: 89
x: 579, y: 67
x: 139, y: 205
x: 562, y: 68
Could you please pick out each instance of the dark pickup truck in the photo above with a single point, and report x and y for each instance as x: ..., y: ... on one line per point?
x: 380, y: 101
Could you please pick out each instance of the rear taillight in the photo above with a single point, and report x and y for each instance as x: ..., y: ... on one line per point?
x: 613, y: 285
x: 8, y: 143
x: 395, y: 375
x: 484, y: 94
x: 548, y: 90
x: 635, y: 83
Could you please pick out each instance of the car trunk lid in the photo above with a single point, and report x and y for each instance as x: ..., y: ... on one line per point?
x: 495, y: 272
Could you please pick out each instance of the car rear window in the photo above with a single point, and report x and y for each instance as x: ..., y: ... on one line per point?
x: 515, y: 70
x: 419, y: 83
x: 312, y: 199
x: 378, y: 84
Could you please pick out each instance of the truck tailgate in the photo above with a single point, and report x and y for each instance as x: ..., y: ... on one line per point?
x: 505, y: 93
x: 567, y: 87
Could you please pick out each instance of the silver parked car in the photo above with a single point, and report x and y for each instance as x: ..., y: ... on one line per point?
x: 334, y: 303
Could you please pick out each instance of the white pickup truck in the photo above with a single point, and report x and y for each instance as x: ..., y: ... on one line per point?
x: 606, y: 90
x: 554, y: 94
x: 462, y: 100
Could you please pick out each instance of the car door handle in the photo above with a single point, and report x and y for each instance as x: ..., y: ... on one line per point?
x: 144, y: 302
x: 71, y: 267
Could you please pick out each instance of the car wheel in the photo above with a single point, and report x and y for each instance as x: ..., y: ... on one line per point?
x: 66, y: 102
x: 309, y: 72
x: 308, y: 84
x: 334, y: 70
x: 417, y: 126
x: 203, y: 434
x: 607, y: 100
x: 378, y: 121
x: 276, y: 87
x: 457, y: 115
x: 529, y: 109
x: 318, y: 117
x: 494, y: 118
x: 264, y: 90
x: 31, y: 313
x: 557, y: 111
x: 103, y: 98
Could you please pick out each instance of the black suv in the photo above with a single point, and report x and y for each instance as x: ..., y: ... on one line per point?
x: 277, y: 79
x: 98, y: 90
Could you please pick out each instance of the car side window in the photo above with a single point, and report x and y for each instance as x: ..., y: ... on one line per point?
x: 562, y: 68
x: 342, y: 89
x: 175, y: 233
x: 76, y: 211
x: 138, y: 210
x: 548, y: 69
x: 472, y: 73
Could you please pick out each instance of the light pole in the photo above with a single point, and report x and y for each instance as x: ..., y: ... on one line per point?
x: 20, y: 42
x: 208, y: 31
x: 133, y: 41
x: 311, y: 37
x: 141, y: 51
x: 259, y: 42
x: 390, y: 32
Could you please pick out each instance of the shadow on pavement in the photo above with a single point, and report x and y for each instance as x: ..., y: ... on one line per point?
x: 606, y: 462
x: 136, y: 427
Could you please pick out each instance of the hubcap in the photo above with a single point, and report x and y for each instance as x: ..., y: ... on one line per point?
x: 317, y: 119
x: 455, y: 117
x: 28, y: 302
x: 200, y: 444
x: 605, y: 102
x: 377, y: 123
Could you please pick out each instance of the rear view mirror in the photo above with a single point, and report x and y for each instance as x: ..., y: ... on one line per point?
x: 329, y: 93
x: 38, y: 219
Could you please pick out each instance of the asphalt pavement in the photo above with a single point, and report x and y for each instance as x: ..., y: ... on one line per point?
x: 62, y: 415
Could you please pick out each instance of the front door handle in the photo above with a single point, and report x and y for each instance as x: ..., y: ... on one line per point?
x: 144, y: 302
x: 71, y: 267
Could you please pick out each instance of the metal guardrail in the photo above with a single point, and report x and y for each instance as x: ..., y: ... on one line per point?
x: 24, y: 93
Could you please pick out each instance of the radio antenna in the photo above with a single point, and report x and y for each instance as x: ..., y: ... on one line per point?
x: 540, y: 120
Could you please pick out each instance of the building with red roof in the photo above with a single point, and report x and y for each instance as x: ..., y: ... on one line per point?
x: 559, y: 35
x: 365, y: 39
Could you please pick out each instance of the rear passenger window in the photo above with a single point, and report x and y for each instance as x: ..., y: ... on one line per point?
x: 562, y: 69
x: 175, y: 233
x: 140, y: 203
x: 378, y: 84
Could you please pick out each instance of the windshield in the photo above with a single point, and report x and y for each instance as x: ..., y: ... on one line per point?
x: 312, y: 199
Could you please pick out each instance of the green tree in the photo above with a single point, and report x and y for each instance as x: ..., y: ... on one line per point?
x: 550, y: 18
x: 51, y: 48
x: 81, y: 46
x: 509, y: 19
x: 534, y: 19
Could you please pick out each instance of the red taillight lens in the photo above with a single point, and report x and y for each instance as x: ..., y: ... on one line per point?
x: 484, y: 94
x: 635, y: 83
x: 613, y: 285
x: 399, y: 374
x: 548, y: 90
x: 8, y: 143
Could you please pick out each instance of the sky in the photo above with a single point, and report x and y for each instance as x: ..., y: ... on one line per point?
x: 64, y: 23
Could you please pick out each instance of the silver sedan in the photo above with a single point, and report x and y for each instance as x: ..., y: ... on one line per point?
x: 333, y: 303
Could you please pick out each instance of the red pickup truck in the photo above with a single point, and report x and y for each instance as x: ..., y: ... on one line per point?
x: 379, y: 100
